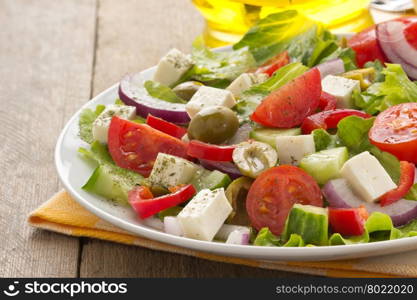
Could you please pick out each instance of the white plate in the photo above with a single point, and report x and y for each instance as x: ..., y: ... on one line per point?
x: 74, y: 172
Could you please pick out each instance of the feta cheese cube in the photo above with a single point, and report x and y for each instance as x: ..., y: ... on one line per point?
x: 203, y: 216
x: 172, y: 66
x: 208, y: 96
x: 367, y: 176
x: 169, y: 170
x: 342, y: 88
x: 291, y: 149
x: 102, y: 122
x: 244, y: 82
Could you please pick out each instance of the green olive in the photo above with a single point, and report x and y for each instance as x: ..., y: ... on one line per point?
x: 214, y: 124
x: 236, y: 193
x: 186, y: 90
x: 252, y: 158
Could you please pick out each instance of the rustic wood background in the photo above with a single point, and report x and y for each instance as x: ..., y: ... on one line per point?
x: 54, y: 56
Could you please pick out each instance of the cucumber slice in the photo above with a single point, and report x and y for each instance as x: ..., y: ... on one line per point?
x: 309, y: 222
x: 110, y: 183
x: 267, y: 135
x: 326, y: 164
x: 212, y: 180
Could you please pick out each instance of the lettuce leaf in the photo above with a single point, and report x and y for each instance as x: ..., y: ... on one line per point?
x: 85, y: 123
x: 266, y: 238
x: 162, y: 92
x: 305, y: 40
x: 252, y: 97
x: 378, y: 227
x: 395, y: 89
x: 218, y: 69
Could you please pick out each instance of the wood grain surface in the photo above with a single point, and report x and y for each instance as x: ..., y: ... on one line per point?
x: 46, y: 59
x: 54, y: 56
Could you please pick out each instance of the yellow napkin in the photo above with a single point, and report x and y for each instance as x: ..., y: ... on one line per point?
x: 64, y: 215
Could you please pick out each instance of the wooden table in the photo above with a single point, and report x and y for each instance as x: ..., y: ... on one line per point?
x: 55, y: 56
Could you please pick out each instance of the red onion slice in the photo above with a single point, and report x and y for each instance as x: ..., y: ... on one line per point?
x: 241, y: 135
x: 331, y: 67
x: 132, y: 92
x: 396, y: 48
x: 238, y: 237
x: 225, y: 167
x: 339, y: 195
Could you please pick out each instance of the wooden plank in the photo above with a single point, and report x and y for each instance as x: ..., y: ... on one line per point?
x: 46, y: 58
x: 131, y: 37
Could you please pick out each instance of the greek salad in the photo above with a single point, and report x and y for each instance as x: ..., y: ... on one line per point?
x: 292, y: 137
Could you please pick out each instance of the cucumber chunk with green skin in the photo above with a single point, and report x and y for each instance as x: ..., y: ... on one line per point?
x: 309, y: 222
x: 267, y: 135
x: 110, y: 183
x: 212, y: 180
x: 326, y: 164
x: 109, y: 180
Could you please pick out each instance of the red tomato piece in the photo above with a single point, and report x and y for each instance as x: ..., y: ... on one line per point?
x: 410, y: 33
x: 274, y: 64
x: 405, y: 184
x: 347, y: 221
x: 202, y: 150
x: 165, y: 126
x: 329, y: 119
x: 145, y: 205
x: 327, y: 101
x: 288, y: 106
x: 275, y: 191
x: 366, y: 47
x: 395, y: 131
x: 135, y: 146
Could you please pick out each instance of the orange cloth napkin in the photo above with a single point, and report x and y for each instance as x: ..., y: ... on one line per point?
x: 64, y: 215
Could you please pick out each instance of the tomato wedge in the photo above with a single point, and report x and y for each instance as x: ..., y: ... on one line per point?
x: 288, y: 106
x: 145, y: 205
x: 329, y: 119
x: 366, y: 47
x: 165, y: 126
x: 410, y: 33
x: 348, y: 221
x: 327, y: 101
x: 395, y: 131
x: 275, y: 191
x: 202, y: 150
x: 405, y: 184
x: 274, y: 64
x: 135, y: 146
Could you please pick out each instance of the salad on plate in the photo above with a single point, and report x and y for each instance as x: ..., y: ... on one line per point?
x: 292, y: 137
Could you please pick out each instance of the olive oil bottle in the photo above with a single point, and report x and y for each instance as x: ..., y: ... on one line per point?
x: 227, y: 20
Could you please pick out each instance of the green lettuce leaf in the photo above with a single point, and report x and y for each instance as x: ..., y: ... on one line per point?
x: 295, y: 240
x: 162, y: 92
x: 324, y: 140
x: 305, y: 40
x: 85, y: 123
x: 252, y: 97
x: 412, y: 193
x: 218, y: 69
x: 266, y: 238
x: 395, y: 89
x: 378, y: 227
x: 276, y: 33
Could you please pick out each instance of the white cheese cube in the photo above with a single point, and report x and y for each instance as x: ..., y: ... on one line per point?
x: 367, y: 176
x: 102, y: 122
x: 244, y: 82
x: 169, y: 170
x: 172, y: 66
x: 342, y: 88
x: 208, y: 96
x: 291, y: 149
x: 203, y: 216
